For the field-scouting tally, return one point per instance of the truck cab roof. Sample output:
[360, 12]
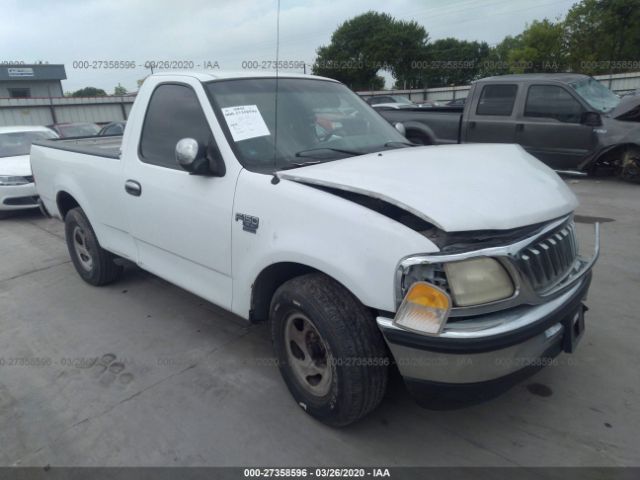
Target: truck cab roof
[207, 76]
[529, 77]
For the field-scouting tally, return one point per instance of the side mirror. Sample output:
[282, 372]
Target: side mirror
[188, 152]
[198, 159]
[591, 119]
[400, 127]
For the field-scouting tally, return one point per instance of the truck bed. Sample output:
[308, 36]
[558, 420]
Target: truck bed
[103, 146]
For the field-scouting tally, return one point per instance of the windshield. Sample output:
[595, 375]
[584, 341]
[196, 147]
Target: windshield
[79, 130]
[597, 95]
[317, 120]
[14, 144]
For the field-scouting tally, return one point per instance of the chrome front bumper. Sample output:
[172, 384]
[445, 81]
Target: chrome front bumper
[475, 356]
[469, 368]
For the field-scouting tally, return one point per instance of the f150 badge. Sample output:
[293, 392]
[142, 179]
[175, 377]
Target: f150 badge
[249, 222]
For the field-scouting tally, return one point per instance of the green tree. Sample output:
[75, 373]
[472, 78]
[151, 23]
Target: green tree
[453, 62]
[368, 43]
[539, 48]
[405, 52]
[497, 61]
[119, 90]
[603, 36]
[89, 92]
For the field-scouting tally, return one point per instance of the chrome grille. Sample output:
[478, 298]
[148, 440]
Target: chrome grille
[548, 261]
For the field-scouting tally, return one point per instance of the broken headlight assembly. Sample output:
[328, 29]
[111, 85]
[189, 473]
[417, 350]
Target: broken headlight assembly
[471, 282]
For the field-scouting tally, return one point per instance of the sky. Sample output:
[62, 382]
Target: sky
[225, 34]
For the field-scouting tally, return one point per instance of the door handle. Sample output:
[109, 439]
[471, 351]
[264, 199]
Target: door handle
[519, 127]
[133, 188]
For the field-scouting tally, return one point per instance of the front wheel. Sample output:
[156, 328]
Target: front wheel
[629, 169]
[330, 352]
[94, 264]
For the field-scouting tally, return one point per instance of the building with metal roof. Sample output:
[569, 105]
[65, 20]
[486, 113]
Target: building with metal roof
[39, 80]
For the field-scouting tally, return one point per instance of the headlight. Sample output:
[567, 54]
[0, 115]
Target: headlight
[12, 181]
[477, 281]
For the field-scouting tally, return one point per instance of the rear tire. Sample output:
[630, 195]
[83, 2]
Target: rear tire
[330, 352]
[95, 265]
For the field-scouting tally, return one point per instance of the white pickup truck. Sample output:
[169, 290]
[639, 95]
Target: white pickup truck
[289, 199]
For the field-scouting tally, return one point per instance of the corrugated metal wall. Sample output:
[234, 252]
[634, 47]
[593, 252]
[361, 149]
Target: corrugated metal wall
[25, 116]
[41, 111]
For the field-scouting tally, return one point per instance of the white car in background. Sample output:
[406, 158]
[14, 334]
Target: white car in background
[17, 190]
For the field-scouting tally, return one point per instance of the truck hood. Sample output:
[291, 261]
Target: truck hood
[455, 187]
[15, 166]
[628, 109]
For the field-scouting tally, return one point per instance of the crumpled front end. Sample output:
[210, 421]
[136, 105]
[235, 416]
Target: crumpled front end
[485, 340]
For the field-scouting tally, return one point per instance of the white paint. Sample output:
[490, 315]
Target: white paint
[15, 166]
[456, 187]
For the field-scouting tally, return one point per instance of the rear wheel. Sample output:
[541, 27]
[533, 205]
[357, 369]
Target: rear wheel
[329, 349]
[94, 264]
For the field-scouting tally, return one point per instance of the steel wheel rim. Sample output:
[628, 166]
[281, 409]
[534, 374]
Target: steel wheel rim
[80, 247]
[308, 355]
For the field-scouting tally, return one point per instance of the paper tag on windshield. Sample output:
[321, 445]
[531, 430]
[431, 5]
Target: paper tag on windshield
[245, 121]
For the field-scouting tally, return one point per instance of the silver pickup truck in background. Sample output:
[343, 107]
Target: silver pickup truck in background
[568, 121]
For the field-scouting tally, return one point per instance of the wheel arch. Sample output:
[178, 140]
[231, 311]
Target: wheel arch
[420, 129]
[271, 278]
[65, 202]
[610, 153]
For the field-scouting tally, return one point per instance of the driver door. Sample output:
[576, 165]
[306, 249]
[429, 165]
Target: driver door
[550, 127]
[181, 223]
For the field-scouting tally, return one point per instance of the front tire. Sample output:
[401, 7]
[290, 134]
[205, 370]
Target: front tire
[95, 265]
[330, 352]
[629, 169]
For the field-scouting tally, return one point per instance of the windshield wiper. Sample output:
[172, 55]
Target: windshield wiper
[300, 164]
[408, 144]
[302, 153]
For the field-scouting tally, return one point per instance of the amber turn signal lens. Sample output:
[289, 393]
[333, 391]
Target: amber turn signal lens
[424, 310]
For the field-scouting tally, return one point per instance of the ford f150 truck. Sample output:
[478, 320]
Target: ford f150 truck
[288, 199]
[568, 121]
